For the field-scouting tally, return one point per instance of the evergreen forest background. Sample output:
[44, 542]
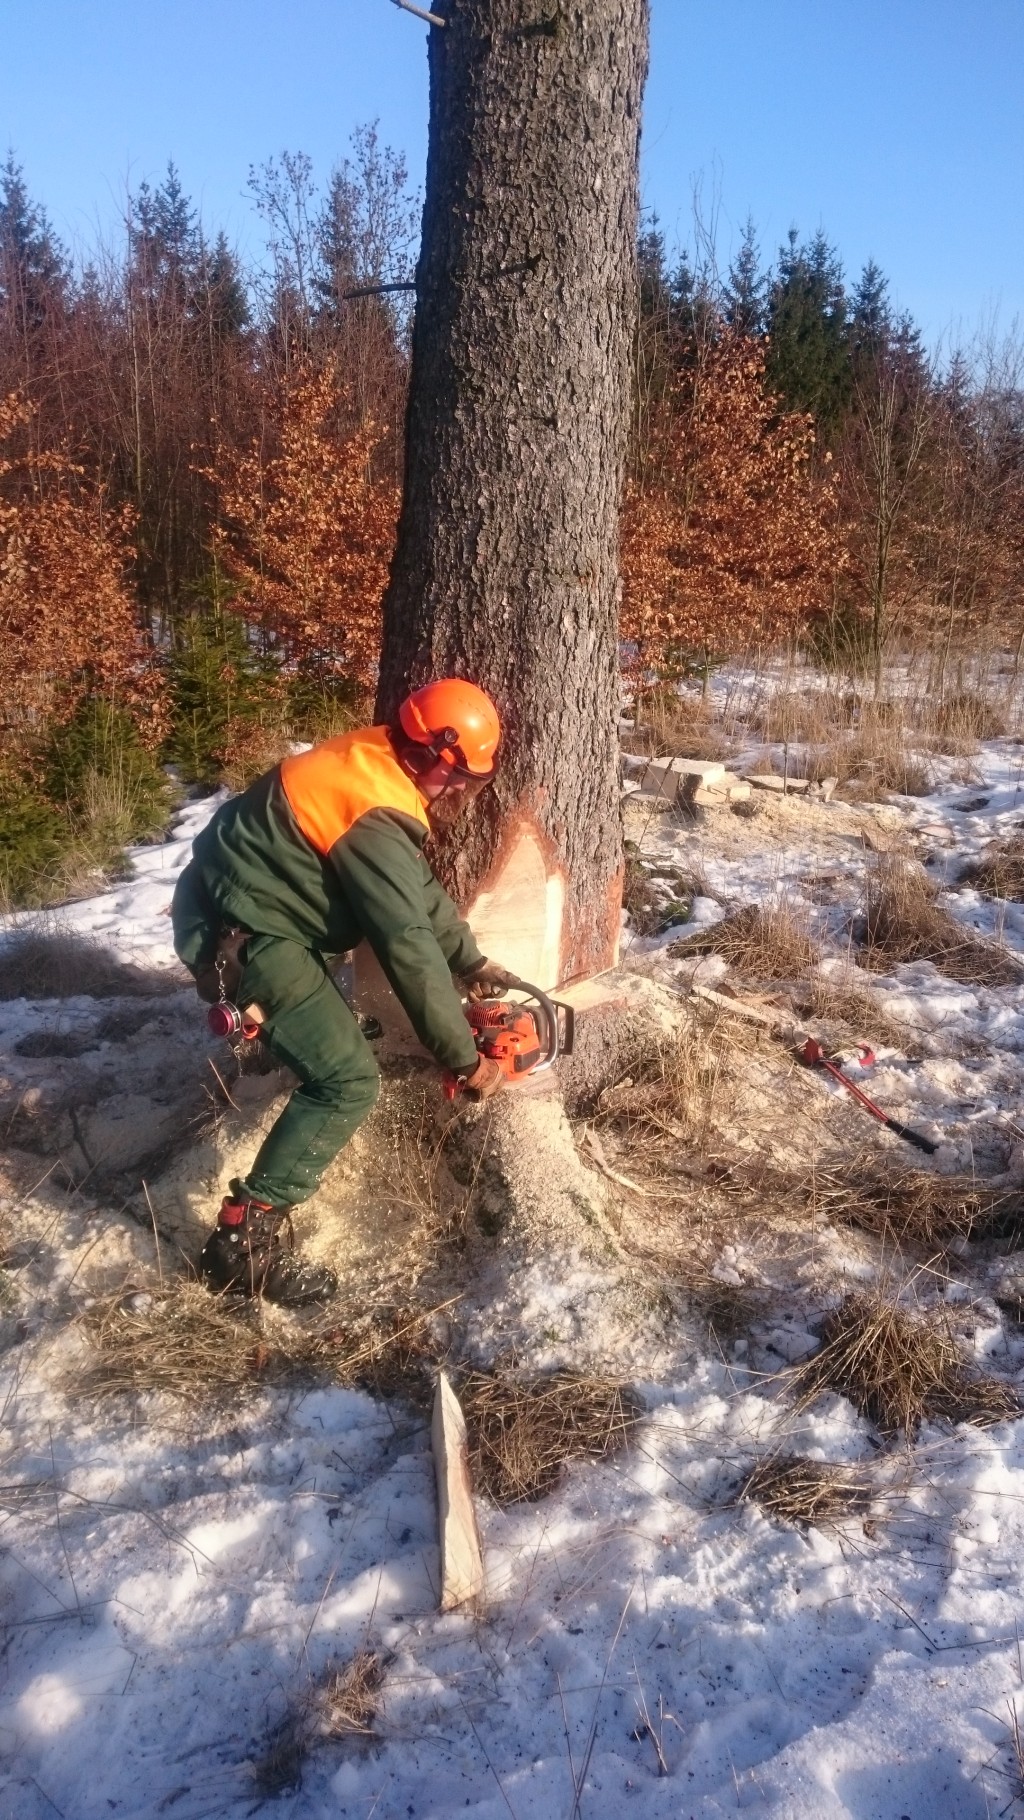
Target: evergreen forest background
[201, 462]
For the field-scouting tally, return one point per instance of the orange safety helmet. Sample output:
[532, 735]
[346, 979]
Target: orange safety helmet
[455, 721]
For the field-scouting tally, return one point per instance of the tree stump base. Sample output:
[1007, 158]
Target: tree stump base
[548, 1278]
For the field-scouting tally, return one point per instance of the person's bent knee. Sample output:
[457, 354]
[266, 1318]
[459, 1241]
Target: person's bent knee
[346, 1089]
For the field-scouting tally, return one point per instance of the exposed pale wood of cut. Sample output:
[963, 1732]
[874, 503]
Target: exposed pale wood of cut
[462, 1566]
[518, 920]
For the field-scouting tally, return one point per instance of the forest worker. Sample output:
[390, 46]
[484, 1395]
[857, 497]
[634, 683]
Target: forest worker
[322, 852]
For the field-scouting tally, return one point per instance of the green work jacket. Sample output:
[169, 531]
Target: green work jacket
[326, 850]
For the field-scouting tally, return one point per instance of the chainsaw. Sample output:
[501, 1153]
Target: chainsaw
[524, 1039]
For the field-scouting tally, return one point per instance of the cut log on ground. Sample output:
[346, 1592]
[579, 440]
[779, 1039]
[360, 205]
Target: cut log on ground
[783, 786]
[714, 793]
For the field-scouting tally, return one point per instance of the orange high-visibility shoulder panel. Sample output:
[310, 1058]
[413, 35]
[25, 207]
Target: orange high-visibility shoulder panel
[329, 788]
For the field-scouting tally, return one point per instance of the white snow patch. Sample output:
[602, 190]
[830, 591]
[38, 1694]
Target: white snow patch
[167, 1590]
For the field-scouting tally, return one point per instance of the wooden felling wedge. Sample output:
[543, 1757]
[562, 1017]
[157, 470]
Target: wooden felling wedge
[462, 1564]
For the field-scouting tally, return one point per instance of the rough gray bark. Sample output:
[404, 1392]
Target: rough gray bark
[506, 568]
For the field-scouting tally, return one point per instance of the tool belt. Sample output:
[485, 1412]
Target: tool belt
[218, 981]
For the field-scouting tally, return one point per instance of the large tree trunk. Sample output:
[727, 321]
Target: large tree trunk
[506, 569]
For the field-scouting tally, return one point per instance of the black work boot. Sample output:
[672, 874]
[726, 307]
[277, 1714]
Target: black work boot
[249, 1255]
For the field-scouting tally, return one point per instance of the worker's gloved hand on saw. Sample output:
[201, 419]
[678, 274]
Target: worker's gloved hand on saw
[487, 1078]
[488, 980]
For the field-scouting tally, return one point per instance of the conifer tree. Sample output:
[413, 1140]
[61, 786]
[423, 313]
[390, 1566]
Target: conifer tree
[745, 294]
[870, 315]
[808, 359]
[222, 296]
[655, 289]
[35, 285]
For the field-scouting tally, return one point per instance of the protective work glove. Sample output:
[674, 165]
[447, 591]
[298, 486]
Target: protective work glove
[486, 1079]
[488, 980]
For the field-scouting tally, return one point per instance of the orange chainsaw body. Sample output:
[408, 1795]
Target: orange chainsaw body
[522, 1039]
[506, 1034]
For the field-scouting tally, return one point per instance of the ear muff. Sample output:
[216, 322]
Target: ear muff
[457, 722]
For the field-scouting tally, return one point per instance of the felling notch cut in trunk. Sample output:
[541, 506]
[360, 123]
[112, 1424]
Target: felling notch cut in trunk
[506, 566]
[520, 912]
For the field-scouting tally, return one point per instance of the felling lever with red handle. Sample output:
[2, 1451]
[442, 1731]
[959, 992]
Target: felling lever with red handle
[522, 1039]
[813, 1053]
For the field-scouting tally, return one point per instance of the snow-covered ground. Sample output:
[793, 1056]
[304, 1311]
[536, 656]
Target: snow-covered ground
[171, 1582]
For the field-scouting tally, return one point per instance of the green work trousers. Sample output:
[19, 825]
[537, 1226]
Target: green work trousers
[307, 1026]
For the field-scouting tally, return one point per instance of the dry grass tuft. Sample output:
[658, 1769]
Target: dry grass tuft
[913, 1207]
[728, 1310]
[871, 747]
[42, 964]
[962, 719]
[1000, 870]
[185, 1343]
[351, 1695]
[677, 726]
[874, 760]
[768, 943]
[904, 923]
[343, 1705]
[898, 1367]
[523, 1431]
[850, 1012]
[806, 717]
[666, 1102]
[811, 1493]
[876, 746]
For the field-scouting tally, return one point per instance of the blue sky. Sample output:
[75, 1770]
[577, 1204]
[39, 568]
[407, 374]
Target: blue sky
[897, 125]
